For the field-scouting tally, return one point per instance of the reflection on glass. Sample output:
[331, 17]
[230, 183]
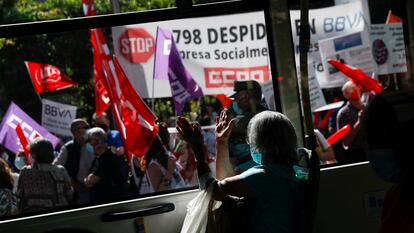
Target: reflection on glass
[358, 51]
[68, 88]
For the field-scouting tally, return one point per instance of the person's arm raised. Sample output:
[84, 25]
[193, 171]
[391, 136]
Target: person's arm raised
[192, 134]
[224, 126]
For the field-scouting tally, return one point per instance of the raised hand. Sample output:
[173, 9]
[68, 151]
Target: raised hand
[223, 127]
[190, 132]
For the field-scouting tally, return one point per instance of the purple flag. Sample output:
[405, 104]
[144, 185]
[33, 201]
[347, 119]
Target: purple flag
[162, 52]
[31, 129]
[183, 86]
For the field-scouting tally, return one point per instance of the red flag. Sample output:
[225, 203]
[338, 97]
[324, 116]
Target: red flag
[325, 119]
[224, 100]
[133, 115]
[339, 134]
[358, 76]
[135, 121]
[391, 18]
[88, 8]
[102, 100]
[47, 77]
[23, 141]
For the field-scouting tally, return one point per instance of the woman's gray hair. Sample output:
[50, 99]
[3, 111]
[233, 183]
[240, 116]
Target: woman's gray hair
[41, 150]
[272, 134]
[98, 133]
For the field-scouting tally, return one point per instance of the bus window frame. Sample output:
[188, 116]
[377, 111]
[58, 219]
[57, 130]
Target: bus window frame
[285, 92]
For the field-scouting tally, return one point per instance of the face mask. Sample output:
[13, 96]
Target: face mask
[19, 162]
[85, 137]
[384, 164]
[256, 156]
[236, 108]
[89, 149]
[240, 151]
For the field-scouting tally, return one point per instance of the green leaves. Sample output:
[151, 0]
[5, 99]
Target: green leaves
[71, 52]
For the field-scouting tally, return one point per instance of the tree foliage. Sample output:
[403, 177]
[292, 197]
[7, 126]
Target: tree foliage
[71, 52]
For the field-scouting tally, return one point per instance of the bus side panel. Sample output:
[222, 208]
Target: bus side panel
[350, 199]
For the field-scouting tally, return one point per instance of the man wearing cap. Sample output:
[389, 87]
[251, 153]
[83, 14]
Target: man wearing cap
[77, 161]
[247, 99]
[246, 104]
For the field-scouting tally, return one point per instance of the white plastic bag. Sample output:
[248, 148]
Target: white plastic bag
[197, 212]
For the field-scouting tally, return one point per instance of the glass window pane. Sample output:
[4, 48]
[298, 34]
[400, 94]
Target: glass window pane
[372, 37]
[46, 78]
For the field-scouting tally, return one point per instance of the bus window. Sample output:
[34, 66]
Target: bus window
[357, 50]
[88, 92]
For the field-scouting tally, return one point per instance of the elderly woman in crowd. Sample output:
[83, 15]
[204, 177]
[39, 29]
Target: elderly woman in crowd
[43, 185]
[273, 195]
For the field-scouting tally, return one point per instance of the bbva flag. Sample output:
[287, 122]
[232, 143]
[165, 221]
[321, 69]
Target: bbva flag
[46, 77]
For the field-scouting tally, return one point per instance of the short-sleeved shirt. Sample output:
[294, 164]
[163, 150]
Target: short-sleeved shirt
[349, 115]
[109, 187]
[278, 203]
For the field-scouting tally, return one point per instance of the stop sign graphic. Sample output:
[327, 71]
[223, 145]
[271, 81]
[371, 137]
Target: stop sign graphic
[136, 45]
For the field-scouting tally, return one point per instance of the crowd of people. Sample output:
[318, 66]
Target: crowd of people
[93, 167]
[242, 152]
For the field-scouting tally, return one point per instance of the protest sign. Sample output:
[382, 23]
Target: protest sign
[388, 48]
[31, 129]
[316, 97]
[352, 49]
[325, 23]
[216, 51]
[57, 117]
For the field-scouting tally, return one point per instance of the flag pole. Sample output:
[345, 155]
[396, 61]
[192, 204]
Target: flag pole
[153, 72]
[394, 76]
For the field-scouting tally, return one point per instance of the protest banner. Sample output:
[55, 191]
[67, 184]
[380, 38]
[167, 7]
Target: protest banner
[214, 55]
[31, 129]
[388, 48]
[325, 23]
[352, 49]
[57, 117]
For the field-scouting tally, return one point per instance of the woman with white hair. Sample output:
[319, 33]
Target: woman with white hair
[104, 180]
[272, 193]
